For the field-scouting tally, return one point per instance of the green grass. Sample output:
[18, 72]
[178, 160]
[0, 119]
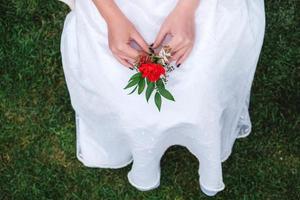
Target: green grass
[37, 130]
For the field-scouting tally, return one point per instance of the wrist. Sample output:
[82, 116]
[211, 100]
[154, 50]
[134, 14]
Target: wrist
[187, 6]
[109, 10]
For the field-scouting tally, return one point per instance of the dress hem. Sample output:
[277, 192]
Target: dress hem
[157, 184]
[104, 166]
[210, 191]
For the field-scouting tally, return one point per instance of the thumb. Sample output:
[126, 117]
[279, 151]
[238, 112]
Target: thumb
[140, 41]
[159, 38]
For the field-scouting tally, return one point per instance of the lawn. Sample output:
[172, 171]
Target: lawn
[37, 130]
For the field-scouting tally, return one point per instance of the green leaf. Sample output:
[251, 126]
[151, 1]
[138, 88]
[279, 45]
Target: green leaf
[160, 83]
[132, 83]
[165, 93]
[141, 85]
[148, 82]
[136, 75]
[133, 90]
[149, 90]
[157, 99]
[155, 59]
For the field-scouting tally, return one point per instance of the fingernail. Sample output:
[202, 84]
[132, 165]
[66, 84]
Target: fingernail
[151, 50]
[179, 65]
[151, 44]
[131, 68]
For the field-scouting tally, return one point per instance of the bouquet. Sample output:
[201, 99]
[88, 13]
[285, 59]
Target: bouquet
[152, 74]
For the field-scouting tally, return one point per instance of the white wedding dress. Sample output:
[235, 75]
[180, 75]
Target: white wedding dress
[211, 89]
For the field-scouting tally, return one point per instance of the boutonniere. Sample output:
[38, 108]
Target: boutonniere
[152, 75]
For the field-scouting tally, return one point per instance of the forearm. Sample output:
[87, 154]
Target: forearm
[187, 5]
[108, 9]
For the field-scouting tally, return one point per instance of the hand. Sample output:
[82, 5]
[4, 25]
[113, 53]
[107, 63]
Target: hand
[121, 32]
[180, 24]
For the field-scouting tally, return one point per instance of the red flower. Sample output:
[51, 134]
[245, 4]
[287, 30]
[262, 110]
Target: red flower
[144, 58]
[152, 71]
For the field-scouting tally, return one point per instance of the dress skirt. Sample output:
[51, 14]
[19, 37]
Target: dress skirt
[211, 88]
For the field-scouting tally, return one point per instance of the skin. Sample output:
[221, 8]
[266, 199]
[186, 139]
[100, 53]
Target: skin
[179, 24]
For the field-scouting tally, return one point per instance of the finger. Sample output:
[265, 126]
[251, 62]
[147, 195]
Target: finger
[124, 62]
[184, 57]
[130, 60]
[140, 41]
[176, 44]
[130, 52]
[160, 37]
[178, 54]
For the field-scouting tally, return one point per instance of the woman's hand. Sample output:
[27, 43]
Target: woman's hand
[120, 33]
[180, 24]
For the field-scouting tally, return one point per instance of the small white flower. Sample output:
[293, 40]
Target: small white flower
[165, 54]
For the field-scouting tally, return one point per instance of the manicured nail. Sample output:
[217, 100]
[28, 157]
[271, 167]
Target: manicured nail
[178, 65]
[151, 50]
[131, 68]
[151, 44]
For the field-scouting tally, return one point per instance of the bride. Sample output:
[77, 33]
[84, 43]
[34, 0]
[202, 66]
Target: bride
[215, 45]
